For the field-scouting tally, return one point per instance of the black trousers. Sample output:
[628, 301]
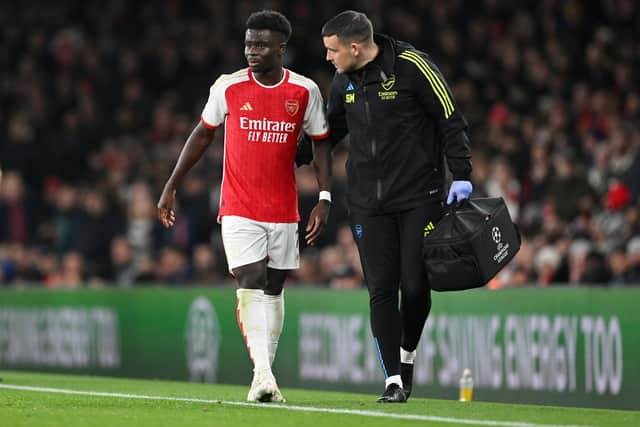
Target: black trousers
[390, 248]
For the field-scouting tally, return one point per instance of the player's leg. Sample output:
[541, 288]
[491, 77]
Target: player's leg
[245, 243]
[274, 311]
[415, 302]
[274, 306]
[283, 255]
[252, 317]
[378, 246]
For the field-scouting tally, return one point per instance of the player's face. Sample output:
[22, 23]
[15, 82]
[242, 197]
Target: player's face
[341, 54]
[264, 50]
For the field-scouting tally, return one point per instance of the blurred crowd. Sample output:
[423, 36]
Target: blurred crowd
[97, 99]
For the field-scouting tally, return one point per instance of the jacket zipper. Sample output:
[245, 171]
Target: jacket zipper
[373, 140]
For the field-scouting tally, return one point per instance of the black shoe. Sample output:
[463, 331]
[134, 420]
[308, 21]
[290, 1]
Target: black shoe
[406, 373]
[393, 394]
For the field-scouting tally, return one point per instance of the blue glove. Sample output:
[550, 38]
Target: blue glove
[459, 191]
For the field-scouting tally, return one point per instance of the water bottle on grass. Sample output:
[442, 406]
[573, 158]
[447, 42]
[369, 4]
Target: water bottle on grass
[466, 386]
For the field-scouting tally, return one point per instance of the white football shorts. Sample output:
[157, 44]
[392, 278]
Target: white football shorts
[247, 241]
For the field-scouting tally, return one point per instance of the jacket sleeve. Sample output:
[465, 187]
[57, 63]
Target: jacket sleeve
[434, 94]
[336, 115]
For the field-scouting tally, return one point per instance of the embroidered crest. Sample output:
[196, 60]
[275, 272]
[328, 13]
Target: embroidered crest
[389, 83]
[292, 106]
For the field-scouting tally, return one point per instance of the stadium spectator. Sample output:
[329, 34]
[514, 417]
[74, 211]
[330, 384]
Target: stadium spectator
[71, 274]
[173, 268]
[618, 265]
[16, 210]
[126, 270]
[633, 254]
[207, 269]
[93, 246]
[309, 272]
[123, 270]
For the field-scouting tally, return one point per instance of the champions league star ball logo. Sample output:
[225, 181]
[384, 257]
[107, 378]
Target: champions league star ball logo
[203, 338]
[496, 235]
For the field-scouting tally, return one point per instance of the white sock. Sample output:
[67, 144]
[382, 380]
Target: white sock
[274, 310]
[253, 325]
[407, 356]
[393, 379]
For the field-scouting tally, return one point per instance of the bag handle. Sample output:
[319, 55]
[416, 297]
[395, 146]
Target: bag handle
[453, 207]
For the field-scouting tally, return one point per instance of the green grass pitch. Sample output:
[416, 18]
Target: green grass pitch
[30, 399]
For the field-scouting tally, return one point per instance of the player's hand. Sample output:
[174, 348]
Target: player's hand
[317, 221]
[166, 214]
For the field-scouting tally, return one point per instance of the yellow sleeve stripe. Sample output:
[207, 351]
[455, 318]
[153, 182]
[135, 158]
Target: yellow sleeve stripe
[434, 81]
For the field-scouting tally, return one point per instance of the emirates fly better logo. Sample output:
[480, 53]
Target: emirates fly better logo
[265, 130]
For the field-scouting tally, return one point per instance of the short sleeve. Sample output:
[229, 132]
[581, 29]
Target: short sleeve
[315, 123]
[216, 109]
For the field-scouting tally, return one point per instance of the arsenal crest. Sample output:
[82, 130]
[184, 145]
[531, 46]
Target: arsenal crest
[292, 106]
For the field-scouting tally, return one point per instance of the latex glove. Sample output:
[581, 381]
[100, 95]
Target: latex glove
[459, 191]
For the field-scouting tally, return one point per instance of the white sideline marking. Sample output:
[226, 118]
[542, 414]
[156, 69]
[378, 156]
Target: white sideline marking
[290, 407]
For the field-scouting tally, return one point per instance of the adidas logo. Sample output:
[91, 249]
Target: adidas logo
[246, 107]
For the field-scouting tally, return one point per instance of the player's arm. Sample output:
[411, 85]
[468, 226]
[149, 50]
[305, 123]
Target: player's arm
[192, 151]
[213, 115]
[322, 166]
[315, 125]
[322, 162]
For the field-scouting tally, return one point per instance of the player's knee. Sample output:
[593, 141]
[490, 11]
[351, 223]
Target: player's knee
[381, 295]
[273, 288]
[275, 281]
[250, 278]
[416, 296]
[251, 282]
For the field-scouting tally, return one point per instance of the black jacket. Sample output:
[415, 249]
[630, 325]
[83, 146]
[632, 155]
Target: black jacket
[402, 122]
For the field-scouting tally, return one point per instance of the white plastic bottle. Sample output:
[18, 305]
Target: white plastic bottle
[466, 386]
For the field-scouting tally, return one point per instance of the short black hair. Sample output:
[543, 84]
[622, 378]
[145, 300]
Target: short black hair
[350, 26]
[270, 20]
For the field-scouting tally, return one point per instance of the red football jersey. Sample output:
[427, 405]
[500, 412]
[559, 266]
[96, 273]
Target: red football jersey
[262, 125]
